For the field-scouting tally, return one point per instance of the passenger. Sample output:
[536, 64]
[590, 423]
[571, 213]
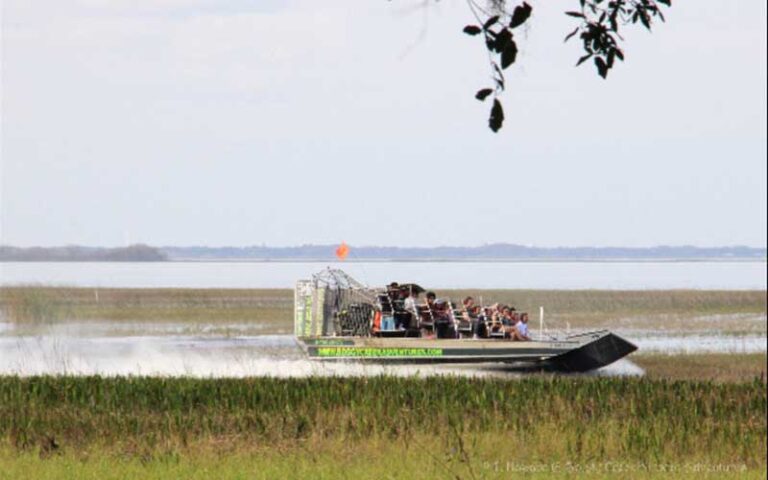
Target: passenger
[411, 302]
[522, 328]
[403, 311]
[431, 297]
[426, 315]
[467, 305]
[495, 319]
[469, 314]
[393, 292]
[411, 305]
[443, 320]
[508, 321]
[476, 320]
[431, 309]
[494, 310]
[504, 315]
[513, 316]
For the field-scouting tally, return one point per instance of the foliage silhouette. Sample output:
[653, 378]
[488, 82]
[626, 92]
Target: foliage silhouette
[598, 30]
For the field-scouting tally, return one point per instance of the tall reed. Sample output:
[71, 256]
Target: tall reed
[574, 417]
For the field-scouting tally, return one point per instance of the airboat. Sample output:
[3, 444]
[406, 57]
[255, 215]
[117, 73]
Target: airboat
[338, 318]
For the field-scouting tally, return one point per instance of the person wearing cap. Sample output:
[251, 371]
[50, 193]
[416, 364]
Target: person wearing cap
[393, 290]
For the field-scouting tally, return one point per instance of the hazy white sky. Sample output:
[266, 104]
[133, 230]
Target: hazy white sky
[233, 122]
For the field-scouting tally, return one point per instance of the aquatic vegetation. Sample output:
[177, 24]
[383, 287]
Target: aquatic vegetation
[740, 311]
[714, 367]
[558, 418]
[31, 304]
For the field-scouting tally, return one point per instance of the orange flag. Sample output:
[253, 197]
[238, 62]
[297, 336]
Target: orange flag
[342, 251]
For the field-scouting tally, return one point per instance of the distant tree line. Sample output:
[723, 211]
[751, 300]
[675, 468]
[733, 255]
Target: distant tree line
[499, 251]
[132, 253]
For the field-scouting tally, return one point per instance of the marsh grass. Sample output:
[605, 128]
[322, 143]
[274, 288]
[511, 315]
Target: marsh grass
[51, 304]
[424, 458]
[33, 305]
[715, 367]
[542, 419]
[741, 311]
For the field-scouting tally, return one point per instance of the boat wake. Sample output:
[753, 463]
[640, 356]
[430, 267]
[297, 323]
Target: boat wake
[191, 356]
[105, 349]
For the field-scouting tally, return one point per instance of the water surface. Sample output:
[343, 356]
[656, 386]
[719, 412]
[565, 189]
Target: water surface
[81, 349]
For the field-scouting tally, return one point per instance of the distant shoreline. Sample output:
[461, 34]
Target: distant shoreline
[472, 260]
[412, 260]
[492, 253]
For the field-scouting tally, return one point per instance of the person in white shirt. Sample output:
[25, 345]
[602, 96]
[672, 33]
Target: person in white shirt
[522, 328]
[411, 300]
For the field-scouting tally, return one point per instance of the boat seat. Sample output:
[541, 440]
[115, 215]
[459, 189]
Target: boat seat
[403, 318]
[426, 320]
[464, 328]
[386, 304]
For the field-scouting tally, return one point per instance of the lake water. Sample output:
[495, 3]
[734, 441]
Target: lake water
[735, 275]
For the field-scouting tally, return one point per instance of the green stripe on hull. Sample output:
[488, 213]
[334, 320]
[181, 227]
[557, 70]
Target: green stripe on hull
[403, 352]
[376, 352]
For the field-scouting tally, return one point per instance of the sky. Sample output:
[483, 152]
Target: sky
[233, 122]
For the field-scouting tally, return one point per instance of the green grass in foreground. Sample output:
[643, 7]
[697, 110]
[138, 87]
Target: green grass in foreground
[369, 427]
[738, 311]
[366, 460]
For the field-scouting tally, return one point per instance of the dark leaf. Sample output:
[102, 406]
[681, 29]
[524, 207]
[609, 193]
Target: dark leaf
[489, 23]
[497, 116]
[574, 32]
[665, 2]
[520, 15]
[575, 14]
[645, 19]
[602, 67]
[584, 59]
[509, 55]
[472, 30]
[483, 94]
[502, 39]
